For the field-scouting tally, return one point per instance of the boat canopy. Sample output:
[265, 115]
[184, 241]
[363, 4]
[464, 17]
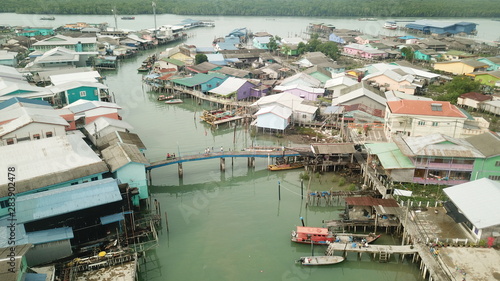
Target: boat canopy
[312, 230]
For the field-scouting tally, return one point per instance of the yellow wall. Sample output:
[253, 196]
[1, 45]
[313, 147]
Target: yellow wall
[454, 67]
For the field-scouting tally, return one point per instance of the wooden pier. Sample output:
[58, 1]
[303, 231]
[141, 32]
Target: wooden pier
[384, 251]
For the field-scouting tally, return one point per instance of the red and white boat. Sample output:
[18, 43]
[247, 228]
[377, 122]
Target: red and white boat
[314, 235]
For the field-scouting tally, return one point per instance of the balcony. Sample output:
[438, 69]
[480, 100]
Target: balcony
[438, 182]
[443, 166]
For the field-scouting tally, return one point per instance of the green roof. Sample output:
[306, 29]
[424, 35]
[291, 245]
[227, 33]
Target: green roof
[390, 156]
[320, 76]
[174, 61]
[198, 79]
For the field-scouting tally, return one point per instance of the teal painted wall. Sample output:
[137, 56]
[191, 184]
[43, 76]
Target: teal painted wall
[74, 94]
[483, 168]
[135, 175]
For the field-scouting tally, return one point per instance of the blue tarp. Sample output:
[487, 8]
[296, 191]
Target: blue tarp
[112, 218]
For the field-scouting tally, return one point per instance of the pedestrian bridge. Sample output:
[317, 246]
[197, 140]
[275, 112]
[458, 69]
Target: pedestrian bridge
[248, 153]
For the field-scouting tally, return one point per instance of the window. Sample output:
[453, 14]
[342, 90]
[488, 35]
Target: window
[495, 178]
[435, 124]
[497, 163]
[48, 134]
[74, 183]
[94, 178]
[10, 141]
[4, 203]
[421, 123]
[36, 136]
[304, 116]
[436, 107]
[83, 94]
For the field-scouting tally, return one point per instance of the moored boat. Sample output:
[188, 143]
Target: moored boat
[128, 18]
[390, 25]
[163, 97]
[48, 18]
[173, 101]
[290, 166]
[320, 260]
[314, 235]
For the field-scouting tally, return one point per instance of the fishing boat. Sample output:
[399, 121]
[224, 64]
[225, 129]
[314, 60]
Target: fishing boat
[320, 260]
[322, 236]
[312, 235]
[163, 97]
[173, 101]
[144, 68]
[289, 166]
[390, 25]
[48, 18]
[128, 18]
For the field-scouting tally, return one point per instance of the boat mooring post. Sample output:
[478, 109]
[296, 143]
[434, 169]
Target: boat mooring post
[279, 190]
[301, 189]
[166, 221]
[302, 220]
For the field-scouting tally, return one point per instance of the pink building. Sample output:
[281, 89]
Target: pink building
[364, 51]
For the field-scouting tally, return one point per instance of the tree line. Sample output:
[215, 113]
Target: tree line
[311, 8]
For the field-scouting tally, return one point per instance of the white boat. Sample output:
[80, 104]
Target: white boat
[173, 101]
[320, 260]
[390, 25]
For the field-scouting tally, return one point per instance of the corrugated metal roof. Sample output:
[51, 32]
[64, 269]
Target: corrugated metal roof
[112, 218]
[49, 161]
[19, 251]
[332, 148]
[50, 235]
[89, 76]
[230, 85]
[118, 136]
[488, 144]
[67, 199]
[440, 145]
[120, 154]
[390, 156]
[103, 122]
[370, 201]
[478, 201]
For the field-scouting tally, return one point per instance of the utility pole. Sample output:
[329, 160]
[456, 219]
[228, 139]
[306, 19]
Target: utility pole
[116, 22]
[154, 13]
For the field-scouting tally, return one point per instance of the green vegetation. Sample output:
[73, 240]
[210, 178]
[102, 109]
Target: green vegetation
[342, 181]
[452, 90]
[200, 58]
[304, 176]
[424, 193]
[317, 8]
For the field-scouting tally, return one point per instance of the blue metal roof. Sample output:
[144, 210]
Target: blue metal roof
[68, 199]
[112, 218]
[34, 277]
[12, 101]
[50, 235]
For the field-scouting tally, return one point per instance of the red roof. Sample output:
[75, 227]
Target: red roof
[476, 96]
[423, 107]
[166, 76]
[370, 201]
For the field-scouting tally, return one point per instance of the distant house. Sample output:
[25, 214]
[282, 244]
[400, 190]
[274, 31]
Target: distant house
[361, 93]
[233, 72]
[420, 118]
[433, 44]
[36, 31]
[301, 91]
[80, 44]
[70, 92]
[8, 58]
[301, 78]
[366, 39]
[472, 205]
[491, 106]
[301, 113]
[273, 118]
[388, 156]
[319, 73]
[487, 167]
[442, 27]
[457, 55]
[489, 78]
[336, 39]
[201, 82]
[364, 52]
[261, 42]
[25, 120]
[493, 62]
[336, 84]
[60, 58]
[203, 67]
[11, 88]
[390, 80]
[472, 99]
[240, 88]
[102, 126]
[438, 158]
[461, 67]
[425, 54]
[128, 165]
[86, 111]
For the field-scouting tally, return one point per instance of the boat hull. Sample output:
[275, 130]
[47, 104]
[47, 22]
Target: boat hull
[285, 166]
[320, 260]
[174, 101]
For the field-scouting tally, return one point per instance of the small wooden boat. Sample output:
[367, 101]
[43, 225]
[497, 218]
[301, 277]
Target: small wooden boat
[128, 18]
[48, 18]
[144, 68]
[173, 101]
[390, 25]
[163, 97]
[320, 260]
[290, 166]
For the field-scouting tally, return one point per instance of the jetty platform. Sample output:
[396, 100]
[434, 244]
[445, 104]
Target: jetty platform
[383, 251]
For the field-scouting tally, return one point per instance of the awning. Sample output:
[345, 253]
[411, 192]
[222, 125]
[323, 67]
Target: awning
[453, 212]
[112, 218]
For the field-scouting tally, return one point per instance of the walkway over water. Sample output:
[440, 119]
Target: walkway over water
[249, 153]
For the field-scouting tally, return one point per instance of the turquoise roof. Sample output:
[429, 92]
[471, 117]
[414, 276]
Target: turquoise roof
[64, 200]
[390, 156]
[198, 79]
[50, 235]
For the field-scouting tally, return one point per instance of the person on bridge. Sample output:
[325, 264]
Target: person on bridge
[221, 149]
